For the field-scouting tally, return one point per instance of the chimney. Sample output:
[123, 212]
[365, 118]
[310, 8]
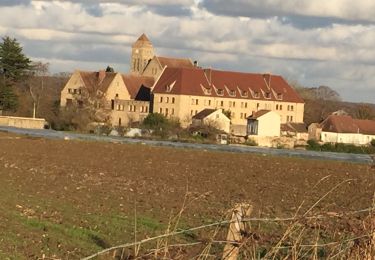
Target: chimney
[101, 75]
[196, 63]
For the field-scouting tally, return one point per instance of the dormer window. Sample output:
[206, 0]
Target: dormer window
[244, 93]
[168, 88]
[267, 95]
[220, 92]
[232, 93]
[279, 96]
[207, 91]
[256, 94]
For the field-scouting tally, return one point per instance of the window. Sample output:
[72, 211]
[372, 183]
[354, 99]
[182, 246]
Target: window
[196, 102]
[277, 107]
[288, 108]
[167, 101]
[116, 95]
[118, 107]
[209, 102]
[291, 108]
[161, 100]
[281, 107]
[245, 104]
[234, 104]
[79, 91]
[112, 104]
[119, 121]
[173, 100]
[257, 105]
[168, 88]
[279, 96]
[172, 112]
[146, 109]
[160, 110]
[291, 118]
[287, 118]
[232, 93]
[256, 94]
[220, 92]
[166, 111]
[222, 103]
[191, 112]
[267, 95]
[244, 93]
[245, 116]
[70, 90]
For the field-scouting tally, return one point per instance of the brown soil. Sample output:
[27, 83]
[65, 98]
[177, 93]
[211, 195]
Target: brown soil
[70, 198]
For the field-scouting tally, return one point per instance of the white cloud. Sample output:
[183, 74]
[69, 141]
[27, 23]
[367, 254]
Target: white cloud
[66, 35]
[360, 10]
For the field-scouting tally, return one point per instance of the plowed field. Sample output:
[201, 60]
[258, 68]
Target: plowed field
[69, 199]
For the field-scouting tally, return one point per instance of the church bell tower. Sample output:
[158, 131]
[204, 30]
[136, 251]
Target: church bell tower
[142, 52]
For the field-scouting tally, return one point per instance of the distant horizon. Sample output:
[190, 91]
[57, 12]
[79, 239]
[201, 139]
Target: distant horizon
[318, 44]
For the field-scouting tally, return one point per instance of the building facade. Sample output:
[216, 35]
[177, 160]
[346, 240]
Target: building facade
[183, 93]
[126, 97]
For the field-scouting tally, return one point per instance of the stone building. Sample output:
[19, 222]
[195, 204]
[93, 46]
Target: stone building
[127, 97]
[182, 93]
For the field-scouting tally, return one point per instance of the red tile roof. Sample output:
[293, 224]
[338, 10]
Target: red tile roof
[227, 84]
[204, 113]
[346, 124]
[294, 127]
[102, 80]
[134, 84]
[175, 62]
[99, 80]
[258, 114]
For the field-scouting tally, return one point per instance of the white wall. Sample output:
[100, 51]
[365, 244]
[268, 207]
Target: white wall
[346, 138]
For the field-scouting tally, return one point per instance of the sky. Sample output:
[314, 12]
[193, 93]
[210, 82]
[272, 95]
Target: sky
[319, 42]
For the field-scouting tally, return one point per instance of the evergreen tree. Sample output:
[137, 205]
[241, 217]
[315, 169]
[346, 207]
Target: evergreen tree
[109, 69]
[14, 65]
[8, 99]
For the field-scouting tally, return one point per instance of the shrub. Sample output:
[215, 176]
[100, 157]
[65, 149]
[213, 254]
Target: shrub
[373, 142]
[251, 142]
[313, 145]
[161, 125]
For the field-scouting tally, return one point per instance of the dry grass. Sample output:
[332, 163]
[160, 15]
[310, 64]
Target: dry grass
[304, 236]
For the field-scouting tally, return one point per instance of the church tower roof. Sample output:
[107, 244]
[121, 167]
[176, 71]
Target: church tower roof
[143, 38]
[142, 41]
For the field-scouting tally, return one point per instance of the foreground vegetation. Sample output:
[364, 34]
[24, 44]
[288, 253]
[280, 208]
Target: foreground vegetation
[341, 148]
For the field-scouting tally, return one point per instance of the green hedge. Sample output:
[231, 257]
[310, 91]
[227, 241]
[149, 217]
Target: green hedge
[340, 147]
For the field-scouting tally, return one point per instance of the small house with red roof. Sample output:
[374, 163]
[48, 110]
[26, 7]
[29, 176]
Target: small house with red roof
[263, 123]
[344, 129]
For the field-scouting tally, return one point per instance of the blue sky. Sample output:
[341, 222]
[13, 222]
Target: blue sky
[316, 42]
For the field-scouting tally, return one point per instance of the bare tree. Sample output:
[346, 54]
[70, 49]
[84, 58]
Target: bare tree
[39, 70]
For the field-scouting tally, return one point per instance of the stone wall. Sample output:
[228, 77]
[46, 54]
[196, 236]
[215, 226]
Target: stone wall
[23, 122]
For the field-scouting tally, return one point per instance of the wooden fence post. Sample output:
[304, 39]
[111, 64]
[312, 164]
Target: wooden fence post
[237, 230]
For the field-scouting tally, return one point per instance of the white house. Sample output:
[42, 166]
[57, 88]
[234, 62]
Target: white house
[212, 117]
[345, 129]
[264, 123]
